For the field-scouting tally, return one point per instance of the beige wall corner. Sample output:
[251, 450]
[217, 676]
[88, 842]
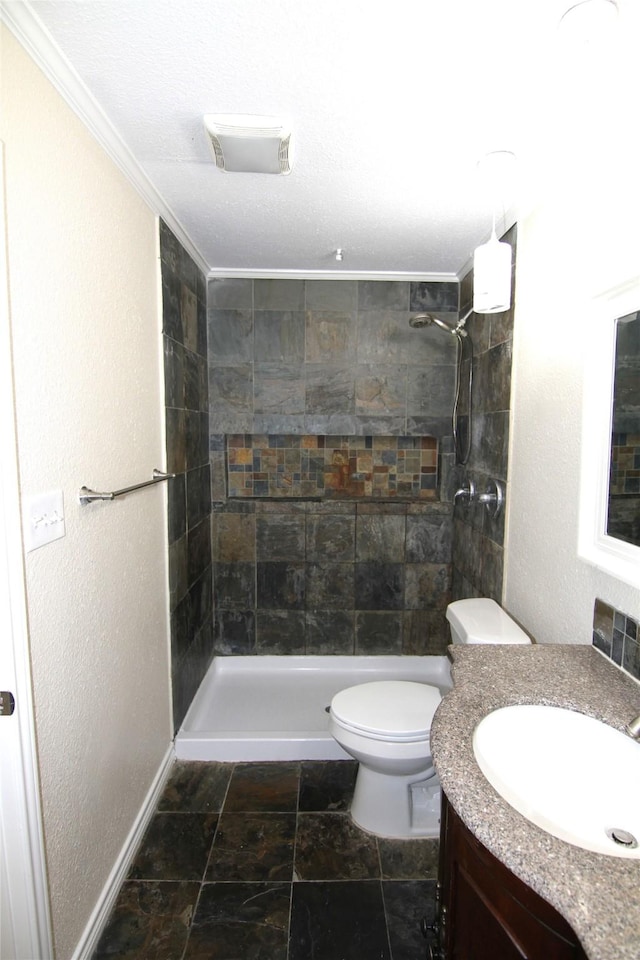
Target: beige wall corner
[83, 269]
[577, 241]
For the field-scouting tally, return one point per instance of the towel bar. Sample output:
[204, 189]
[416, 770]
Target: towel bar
[86, 495]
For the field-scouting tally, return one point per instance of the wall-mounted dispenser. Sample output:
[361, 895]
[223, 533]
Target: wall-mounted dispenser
[492, 260]
[492, 276]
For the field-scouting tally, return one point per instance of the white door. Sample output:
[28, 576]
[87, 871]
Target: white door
[24, 914]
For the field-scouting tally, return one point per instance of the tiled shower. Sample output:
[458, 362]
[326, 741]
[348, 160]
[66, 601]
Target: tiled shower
[189, 494]
[293, 559]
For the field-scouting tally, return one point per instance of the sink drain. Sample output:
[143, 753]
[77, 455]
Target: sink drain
[622, 837]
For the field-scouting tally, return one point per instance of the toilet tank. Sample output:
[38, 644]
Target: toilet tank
[481, 620]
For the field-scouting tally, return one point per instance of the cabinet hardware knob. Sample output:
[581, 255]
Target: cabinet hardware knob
[427, 928]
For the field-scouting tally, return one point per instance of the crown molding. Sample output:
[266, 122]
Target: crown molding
[24, 24]
[229, 274]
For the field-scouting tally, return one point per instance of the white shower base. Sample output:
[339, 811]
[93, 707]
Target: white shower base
[273, 708]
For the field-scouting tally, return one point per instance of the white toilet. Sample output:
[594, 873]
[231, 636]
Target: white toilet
[385, 725]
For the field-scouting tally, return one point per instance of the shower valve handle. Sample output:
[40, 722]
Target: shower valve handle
[467, 493]
[493, 497]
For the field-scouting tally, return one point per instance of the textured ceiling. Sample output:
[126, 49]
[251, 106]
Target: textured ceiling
[392, 105]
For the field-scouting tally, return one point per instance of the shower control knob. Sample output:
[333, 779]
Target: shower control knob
[493, 497]
[466, 493]
[426, 928]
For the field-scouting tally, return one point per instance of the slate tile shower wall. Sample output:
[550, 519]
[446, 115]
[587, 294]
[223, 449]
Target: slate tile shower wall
[329, 358]
[478, 539]
[184, 339]
[336, 578]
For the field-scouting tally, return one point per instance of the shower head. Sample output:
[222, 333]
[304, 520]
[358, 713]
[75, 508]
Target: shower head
[420, 321]
[464, 345]
[426, 319]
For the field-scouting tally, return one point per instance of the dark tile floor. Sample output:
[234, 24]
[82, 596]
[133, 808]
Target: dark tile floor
[261, 861]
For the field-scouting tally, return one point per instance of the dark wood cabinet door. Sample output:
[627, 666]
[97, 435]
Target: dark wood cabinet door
[489, 914]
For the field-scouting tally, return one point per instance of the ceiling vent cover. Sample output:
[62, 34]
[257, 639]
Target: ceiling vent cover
[242, 143]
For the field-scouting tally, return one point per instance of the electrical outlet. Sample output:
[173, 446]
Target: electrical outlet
[43, 519]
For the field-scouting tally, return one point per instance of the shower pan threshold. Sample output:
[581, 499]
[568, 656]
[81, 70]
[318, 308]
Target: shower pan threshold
[274, 707]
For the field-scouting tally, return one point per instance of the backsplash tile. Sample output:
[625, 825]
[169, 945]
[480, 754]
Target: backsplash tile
[292, 466]
[616, 635]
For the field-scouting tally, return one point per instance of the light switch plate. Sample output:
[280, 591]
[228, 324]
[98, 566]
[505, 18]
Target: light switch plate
[43, 519]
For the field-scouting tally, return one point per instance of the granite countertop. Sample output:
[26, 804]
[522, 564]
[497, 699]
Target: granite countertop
[597, 894]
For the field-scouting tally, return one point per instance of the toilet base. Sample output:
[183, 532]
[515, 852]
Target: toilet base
[387, 807]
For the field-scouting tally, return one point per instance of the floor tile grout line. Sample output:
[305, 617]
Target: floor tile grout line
[379, 856]
[193, 916]
[215, 832]
[295, 845]
[324, 880]
[226, 792]
[386, 918]
[295, 848]
[206, 866]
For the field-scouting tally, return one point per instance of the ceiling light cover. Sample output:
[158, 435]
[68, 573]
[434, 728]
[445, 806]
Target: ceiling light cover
[243, 143]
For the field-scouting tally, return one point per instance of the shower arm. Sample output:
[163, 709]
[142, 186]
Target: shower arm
[457, 331]
[461, 322]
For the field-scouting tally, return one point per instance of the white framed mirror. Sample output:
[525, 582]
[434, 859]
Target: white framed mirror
[596, 544]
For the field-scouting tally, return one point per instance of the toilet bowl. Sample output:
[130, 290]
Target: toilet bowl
[386, 725]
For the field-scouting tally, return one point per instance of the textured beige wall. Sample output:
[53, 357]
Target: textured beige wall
[83, 271]
[580, 240]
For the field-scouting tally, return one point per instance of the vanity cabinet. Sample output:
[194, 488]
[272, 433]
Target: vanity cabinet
[487, 913]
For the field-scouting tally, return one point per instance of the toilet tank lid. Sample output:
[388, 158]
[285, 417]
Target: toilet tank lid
[482, 620]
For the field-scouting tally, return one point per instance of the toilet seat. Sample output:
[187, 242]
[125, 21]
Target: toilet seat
[394, 710]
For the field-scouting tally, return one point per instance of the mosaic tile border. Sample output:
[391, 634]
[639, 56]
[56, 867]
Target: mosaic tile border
[617, 636]
[332, 467]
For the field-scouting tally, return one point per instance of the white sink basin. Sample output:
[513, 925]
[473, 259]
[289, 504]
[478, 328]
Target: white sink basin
[574, 776]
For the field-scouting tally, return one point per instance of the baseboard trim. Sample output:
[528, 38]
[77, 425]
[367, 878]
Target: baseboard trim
[102, 910]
